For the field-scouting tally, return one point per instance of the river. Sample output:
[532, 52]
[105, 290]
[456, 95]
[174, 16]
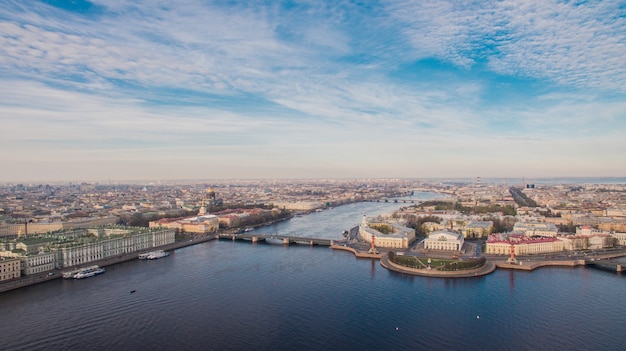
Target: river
[225, 295]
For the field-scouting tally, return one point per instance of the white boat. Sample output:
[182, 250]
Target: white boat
[144, 256]
[90, 272]
[153, 255]
[72, 273]
[249, 229]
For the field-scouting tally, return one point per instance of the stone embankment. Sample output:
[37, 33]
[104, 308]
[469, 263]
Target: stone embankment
[357, 252]
[57, 273]
[529, 266]
[488, 268]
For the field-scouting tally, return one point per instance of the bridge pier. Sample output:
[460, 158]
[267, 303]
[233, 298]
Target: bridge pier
[255, 239]
[618, 268]
[286, 241]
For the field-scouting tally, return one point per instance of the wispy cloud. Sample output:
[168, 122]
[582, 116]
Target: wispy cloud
[571, 43]
[313, 85]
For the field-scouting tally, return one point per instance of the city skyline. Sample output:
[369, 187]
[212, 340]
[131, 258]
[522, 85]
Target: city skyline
[116, 90]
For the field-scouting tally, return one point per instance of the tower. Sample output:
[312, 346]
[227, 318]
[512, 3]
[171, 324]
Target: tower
[512, 259]
[372, 249]
[210, 193]
[202, 211]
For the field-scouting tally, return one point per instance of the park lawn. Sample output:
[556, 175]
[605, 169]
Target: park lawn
[434, 262]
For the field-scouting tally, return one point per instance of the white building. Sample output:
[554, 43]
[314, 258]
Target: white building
[75, 247]
[444, 240]
[536, 229]
[112, 243]
[40, 262]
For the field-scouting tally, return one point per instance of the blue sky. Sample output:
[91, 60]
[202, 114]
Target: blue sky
[121, 90]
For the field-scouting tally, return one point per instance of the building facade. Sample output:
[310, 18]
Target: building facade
[620, 237]
[394, 235]
[500, 244]
[77, 247]
[536, 229]
[10, 268]
[445, 239]
[477, 229]
[112, 244]
[200, 224]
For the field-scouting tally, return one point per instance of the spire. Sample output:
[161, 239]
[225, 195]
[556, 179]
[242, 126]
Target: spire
[202, 211]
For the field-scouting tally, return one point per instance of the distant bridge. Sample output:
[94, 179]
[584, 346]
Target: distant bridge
[397, 201]
[277, 239]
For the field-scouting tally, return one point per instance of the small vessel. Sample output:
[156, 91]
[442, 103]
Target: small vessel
[88, 272]
[249, 229]
[72, 273]
[153, 255]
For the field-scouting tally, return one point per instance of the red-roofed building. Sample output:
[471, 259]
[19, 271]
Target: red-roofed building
[500, 244]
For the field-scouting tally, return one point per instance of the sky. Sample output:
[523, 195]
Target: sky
[120, 90]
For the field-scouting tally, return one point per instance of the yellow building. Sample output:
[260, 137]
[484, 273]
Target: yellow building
[386, 233]
[621, 238]
[197, 224]
[500, 244]
[10, 268]
[477, 229]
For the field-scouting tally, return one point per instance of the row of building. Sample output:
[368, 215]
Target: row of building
[70, 248]
[542, 238]
[209, 223]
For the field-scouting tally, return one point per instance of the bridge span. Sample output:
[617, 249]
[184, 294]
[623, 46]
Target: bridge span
[277, 239]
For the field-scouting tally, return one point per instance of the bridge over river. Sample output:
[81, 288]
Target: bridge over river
[277, 239]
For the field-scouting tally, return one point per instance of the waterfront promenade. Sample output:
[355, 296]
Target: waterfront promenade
[600, 261]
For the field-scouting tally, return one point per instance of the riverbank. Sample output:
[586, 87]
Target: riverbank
[57, 273]
[357, 252]
[529, 266]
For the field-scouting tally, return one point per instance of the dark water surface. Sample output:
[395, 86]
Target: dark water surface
[225, 295]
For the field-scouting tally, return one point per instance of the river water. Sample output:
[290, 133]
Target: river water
[224, 295]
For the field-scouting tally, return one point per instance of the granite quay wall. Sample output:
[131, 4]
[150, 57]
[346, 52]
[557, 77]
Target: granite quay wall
[357, 252]
[488, 268]
[57, 273]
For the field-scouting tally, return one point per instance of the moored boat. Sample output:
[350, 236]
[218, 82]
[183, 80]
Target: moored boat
[89, 272]
[153, 255]
[72, 273]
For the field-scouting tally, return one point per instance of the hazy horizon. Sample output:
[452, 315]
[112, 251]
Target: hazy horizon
[485, 181]
[116, 90]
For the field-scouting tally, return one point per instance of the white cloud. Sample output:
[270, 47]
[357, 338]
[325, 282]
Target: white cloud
[142, 84]
[572, 44]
